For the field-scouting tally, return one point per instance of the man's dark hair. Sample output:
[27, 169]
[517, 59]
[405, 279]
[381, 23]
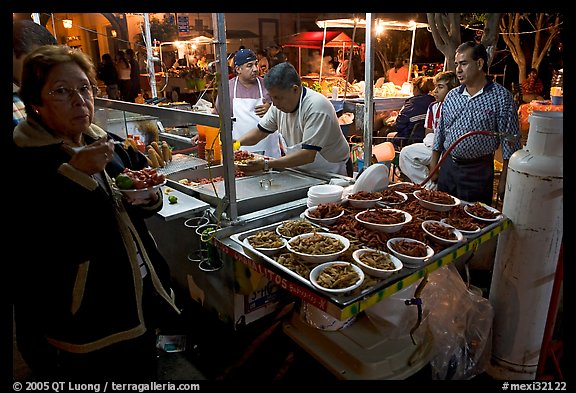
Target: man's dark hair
[27, 35]
[282, 76]
[478, 52]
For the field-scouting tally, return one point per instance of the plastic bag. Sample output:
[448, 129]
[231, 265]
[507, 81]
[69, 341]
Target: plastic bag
[461, 325]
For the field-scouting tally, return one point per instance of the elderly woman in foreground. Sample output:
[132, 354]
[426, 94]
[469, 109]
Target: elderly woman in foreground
[90, 282]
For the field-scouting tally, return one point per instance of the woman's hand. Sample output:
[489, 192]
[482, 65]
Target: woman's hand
[93, 158]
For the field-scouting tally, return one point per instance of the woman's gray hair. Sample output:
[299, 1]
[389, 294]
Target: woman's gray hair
[38, 65]
[282, 76]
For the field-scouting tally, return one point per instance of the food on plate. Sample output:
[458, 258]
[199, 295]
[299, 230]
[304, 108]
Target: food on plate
[377, 260]
[143, 178]
[265, 239]
[364, 195]
[462, 223]
[293, 228]
[326, 210]
[479, 210]
[292, 262]
[392, 196]
[338, 276]
[383, 216]
[317, 244]
[435, 196]
[241, 157]
[441, 231]
[412, 249]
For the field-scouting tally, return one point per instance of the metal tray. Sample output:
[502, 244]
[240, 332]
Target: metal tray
[253, 193]
[255, 254]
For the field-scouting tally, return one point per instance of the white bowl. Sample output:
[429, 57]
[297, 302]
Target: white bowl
[404, 185]
[326, 191]
[408, 260]
[322, 221]
[300, 226]
[446, 242]
[317, 271]
[401, 195]
[388, 228]
[319, 258]
[362, 203]
[372, 270]
[439, 207]
[268, 251]
[485, 219]
[466, 233]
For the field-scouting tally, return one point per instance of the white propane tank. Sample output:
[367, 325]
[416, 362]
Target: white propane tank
[527, 253]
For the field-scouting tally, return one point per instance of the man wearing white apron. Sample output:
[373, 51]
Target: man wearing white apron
[247, 97]
[307, 123]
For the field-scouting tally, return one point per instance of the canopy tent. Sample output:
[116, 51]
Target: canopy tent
[315, 39]
[318, 40]
[371, 25]
[379, 25]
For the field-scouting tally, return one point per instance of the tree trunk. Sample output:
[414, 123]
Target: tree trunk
[445, 29]
[510, 26]
[490, 35]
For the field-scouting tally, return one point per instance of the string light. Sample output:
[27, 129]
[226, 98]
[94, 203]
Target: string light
[67, 22]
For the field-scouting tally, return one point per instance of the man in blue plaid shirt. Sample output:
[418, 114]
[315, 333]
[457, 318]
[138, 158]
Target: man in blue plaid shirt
[26, 36]
[479, 104]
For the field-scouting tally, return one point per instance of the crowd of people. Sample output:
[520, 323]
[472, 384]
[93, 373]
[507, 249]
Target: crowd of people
[120, 75]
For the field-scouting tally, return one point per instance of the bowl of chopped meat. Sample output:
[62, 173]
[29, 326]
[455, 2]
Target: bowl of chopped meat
[482, 212]
[336, 278]
[392, 197]
[413, 253]
[363, 199]
[324, 213]
[439, 201]
[383, 219]
[377, 263]
[318, 247]
[442, 233]
[465, 225]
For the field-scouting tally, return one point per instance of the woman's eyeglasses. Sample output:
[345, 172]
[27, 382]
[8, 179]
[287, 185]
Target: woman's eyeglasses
[67, 93]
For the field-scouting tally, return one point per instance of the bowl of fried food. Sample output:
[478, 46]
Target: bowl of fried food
[384, 219]
[439, 201]
[267, 242]
[377, 263]
[363, 199]
[337, 277]
[324, 213]
[318, 247]
[442, 233]
[391, 197]
[465, 225]
[482, 212]
[413, 253]
[290, 228]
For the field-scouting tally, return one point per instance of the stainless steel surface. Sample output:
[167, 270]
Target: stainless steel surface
[186, 206]
[181, 164]
[253, 193]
